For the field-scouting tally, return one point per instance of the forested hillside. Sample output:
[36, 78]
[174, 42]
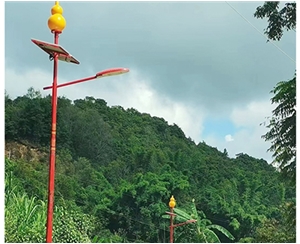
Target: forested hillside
[116, 170]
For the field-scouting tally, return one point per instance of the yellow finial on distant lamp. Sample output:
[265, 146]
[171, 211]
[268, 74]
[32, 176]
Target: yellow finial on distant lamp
[56, 22]
[172, 202]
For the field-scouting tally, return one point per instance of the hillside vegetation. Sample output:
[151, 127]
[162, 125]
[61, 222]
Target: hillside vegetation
[116, 170]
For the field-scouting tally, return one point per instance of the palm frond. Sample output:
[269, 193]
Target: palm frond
[182, 214]
[211, 236]
[222, 230]
[165, 216]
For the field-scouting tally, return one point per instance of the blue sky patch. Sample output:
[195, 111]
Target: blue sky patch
[218, 127]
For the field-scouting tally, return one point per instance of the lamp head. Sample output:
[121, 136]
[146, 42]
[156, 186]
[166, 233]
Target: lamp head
[110, 72]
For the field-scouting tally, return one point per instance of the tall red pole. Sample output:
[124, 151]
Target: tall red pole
[171, 226]
[52, 148]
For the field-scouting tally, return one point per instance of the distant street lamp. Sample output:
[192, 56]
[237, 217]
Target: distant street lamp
[172, 205]
[56, 24]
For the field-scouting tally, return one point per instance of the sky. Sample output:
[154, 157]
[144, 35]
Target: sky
[205, 66]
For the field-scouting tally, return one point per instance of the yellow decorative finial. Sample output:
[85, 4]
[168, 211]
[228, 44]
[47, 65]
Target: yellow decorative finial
[56, 9]
[172, 202]
[56, 22]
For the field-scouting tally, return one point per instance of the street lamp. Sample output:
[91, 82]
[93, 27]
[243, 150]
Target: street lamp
[56, 24]
[172, 204]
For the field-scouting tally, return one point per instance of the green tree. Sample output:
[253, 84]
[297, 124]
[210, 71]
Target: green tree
[91, 137]
[282, 125]
[279, 20]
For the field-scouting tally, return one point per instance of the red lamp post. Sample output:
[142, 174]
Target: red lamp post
[56, 24]
[172, 204]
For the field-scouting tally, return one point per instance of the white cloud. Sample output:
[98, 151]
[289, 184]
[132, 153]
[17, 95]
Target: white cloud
[17, 84]
[134, 91]
[229, 138]
[253, 114]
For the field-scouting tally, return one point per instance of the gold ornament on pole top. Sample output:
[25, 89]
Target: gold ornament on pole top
[56, 21]
[172, 202]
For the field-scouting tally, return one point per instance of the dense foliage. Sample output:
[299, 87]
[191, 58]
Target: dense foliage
[25, 217]
[116, 170]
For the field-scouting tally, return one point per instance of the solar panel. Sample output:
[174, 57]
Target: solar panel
[53, 49]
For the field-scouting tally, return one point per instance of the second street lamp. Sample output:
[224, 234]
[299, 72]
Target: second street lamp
[172, 205]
